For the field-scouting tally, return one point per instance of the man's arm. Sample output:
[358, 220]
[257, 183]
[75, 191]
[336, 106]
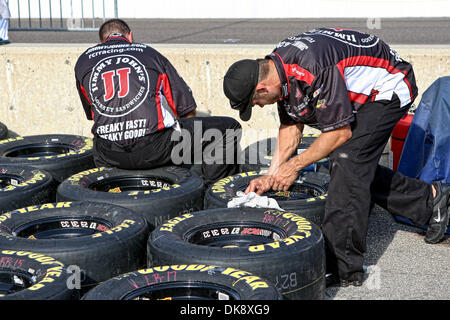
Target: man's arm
[191, 114]
[289, 137]
[86, 103]
[326, 143]
[180, 93]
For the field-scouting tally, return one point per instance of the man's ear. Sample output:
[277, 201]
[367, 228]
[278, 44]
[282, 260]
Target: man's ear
[261, 88]
[130, 36]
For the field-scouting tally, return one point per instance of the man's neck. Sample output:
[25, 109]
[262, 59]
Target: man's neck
[273, 79]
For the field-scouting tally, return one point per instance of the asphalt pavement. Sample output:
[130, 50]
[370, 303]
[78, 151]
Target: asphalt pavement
[243, 31]
[399, 264]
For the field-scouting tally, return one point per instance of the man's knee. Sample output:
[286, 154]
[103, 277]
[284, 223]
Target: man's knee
[230, 123]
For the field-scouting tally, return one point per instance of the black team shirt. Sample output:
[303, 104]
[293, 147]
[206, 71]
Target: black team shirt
[328, 74]
[130, 90]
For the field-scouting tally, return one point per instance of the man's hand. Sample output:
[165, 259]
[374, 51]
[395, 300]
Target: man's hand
[260, 185]
[284, 177]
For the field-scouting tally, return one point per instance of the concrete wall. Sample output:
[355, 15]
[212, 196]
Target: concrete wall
[38, 95]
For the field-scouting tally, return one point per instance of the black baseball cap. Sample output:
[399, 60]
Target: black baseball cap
[239, 86]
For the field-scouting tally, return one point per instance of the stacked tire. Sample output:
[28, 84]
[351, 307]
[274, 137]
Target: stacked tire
[306, 196]
[3, 131]
[28, 275]
[61, 155]
[258, 155]
[102, 240]
[24, 186]
[185, 282]
[285, 249]
[156, 194]
[111, 230]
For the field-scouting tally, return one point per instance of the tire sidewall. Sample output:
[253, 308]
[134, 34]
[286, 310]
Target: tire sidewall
[303, 248]
[258, 155]
[221, 192]
[185, 194]
[100, 255]
[59, 166]
[33, 186]
[51, 276]
[250, 288]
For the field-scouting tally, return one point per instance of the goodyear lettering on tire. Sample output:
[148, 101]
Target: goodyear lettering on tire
[303, 228]
[219, 186]
[34, 208]
[302, 232]
[38, 176]
[51, 274]
[252, 280]
[323, 197]
[77, 177]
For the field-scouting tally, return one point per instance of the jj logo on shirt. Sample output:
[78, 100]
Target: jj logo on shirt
[118, 85]
[108, 82]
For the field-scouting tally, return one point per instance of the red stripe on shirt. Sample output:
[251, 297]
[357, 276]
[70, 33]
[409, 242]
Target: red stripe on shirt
[367, 61]
[168, 93]
[371, 62]
[83, 91]
[357, 97]
[299, 73]
[158, 104]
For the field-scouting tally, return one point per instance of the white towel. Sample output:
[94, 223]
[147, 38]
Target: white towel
[252, 200]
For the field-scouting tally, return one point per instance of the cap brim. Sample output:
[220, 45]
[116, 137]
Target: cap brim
[244, 107]
[246, 113]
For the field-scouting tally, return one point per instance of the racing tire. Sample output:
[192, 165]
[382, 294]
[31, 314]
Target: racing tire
[157, 194]
[3, 131]
[24, 186]
[60, 154]
[185, 282]
[285, 249]
[258, 155]
[27, 275]
[306, 196]
[103, 240]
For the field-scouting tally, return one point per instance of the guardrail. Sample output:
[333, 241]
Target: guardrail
[60, 15]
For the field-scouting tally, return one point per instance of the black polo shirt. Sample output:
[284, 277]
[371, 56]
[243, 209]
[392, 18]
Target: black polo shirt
[130, 90]
[328, 74]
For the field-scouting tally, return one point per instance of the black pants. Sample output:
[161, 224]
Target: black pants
[212, 142]
[357, 181]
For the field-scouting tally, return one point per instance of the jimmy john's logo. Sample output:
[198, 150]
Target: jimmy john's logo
[118, 85]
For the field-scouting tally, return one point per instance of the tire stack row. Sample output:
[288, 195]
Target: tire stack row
[107, 233]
